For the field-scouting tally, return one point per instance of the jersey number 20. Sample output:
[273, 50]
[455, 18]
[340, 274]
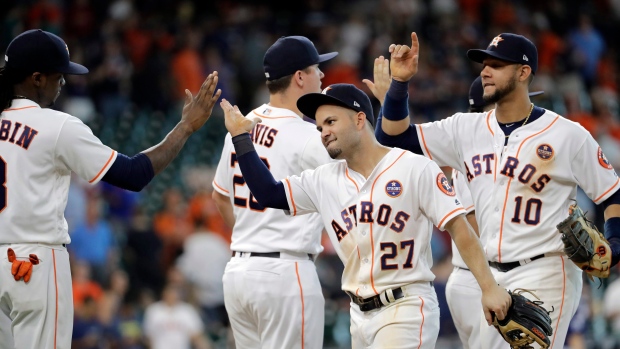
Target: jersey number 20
[238, 180]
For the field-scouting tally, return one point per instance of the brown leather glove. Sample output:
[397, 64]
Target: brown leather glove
[22, 268]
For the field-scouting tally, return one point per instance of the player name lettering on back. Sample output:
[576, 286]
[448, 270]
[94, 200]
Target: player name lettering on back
[369, 213]
[17, 133]
[512, 168]
[263, 135]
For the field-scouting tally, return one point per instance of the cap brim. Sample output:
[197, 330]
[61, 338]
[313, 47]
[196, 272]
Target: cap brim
[308, 104]
[327, 56]
[74, 69]
[532, 94]
[479, 56]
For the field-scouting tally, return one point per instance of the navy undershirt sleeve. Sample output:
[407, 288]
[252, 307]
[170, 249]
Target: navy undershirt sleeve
[266, 190]
[612, 228]
[130, 173]
[395, 108]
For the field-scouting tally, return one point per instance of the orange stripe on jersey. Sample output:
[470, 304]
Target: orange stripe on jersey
[557, 324]
[301, 295]
[372, 242]
[467, 209]
[220, 187]
[448, 215]
[56, 286]
[424, 142]
[351, 179]
[422, 325]
[489, 125]
[501, 224]
[358, 252]
[13, 109]
[275, 117]
[290, 190]
[607, 191]
[103, 168]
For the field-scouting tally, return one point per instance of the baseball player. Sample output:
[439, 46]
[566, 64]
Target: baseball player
[379, 206]
[39, 148]
[522, 165]
[271, 288]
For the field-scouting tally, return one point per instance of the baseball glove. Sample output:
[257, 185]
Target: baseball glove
[525, 323]
[584, 244]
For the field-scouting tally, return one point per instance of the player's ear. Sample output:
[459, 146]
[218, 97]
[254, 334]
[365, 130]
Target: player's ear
[38, 79]
[524, 72]
[298, 78]
[360, 120]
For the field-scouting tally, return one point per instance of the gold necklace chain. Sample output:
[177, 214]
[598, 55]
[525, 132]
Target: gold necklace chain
[527, 118]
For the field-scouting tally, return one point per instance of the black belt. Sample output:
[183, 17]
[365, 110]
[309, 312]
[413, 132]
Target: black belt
[374, 302]
[266, 254]
[504, 267]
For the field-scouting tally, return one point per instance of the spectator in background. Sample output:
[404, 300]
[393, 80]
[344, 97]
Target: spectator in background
[88, 332]
[172, 225]
[203, 263]
[93, 242]
[186, 64]
[83, 286]
[588, 47]
[142, 254]
[172, 323]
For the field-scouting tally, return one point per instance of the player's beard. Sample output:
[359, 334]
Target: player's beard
[334, 153]
[500, 93]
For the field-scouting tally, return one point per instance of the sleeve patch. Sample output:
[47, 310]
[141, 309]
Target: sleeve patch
[444, 185]
[603, 160]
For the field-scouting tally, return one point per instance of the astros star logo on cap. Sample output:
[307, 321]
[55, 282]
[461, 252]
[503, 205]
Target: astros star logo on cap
[496, 41]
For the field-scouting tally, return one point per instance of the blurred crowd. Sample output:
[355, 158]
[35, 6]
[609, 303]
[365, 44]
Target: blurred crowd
[147, 268]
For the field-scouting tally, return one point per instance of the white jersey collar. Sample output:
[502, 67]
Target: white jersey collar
[269, 112]
[22, 103]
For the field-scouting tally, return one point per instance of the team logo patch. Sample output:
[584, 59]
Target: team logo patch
[545, 152]
[267, 112]
[603, 160]
[444, 185]
[394, 188]
[496, 41]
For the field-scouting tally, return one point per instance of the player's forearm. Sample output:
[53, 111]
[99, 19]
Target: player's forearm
[265, 189]
[163, 153]
[396, 109]
[471, 250]
[225, 207]
[612, 231]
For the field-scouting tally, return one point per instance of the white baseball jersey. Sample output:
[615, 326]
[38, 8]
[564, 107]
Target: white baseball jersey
[287, 145]
[39, 148]
[521, 191]
[382, 224]
[459, 183]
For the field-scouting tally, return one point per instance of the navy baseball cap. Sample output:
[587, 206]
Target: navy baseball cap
[290, 54]
[344, 95]
[36, 50]
[511, 48]
[476, 91]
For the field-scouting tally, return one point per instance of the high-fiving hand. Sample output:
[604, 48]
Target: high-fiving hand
[382, 78]
[404, 59]
[235, 122]
[197, 109]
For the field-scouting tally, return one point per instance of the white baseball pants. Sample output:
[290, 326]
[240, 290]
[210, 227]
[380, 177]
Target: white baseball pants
[274, 302]
[409, 322]
[40, 311]
[465, 303]
[556, 281]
